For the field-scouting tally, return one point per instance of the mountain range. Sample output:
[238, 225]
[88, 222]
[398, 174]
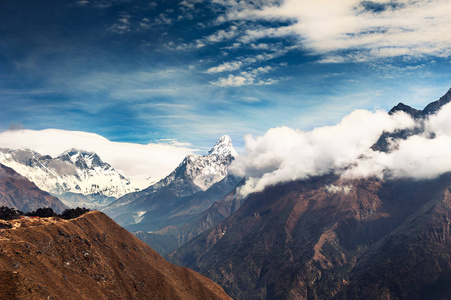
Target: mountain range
[182, 194]
[327, 237]
[321, 237]
[78, 178]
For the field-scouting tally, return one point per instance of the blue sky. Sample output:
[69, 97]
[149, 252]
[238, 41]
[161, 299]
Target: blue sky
[193, 70]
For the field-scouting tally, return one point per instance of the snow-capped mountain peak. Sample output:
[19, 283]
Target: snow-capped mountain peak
[84, 159]
[202, 170]
[74, 172]
[223, 147]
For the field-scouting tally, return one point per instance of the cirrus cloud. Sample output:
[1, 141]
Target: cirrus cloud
[369, 29]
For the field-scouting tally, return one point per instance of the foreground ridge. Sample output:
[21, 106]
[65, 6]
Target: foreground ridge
[90, 257]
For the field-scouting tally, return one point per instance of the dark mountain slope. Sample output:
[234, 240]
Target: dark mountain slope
[170, 210]
[18, 192]
[171, 237]
[412, 262]
[300, 241]
[90, 257]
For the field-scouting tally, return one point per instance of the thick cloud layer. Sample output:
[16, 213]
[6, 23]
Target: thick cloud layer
[151, 160]
[419, 156]
[284, 154]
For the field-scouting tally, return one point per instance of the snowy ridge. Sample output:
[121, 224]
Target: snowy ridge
[160, 204]
[74, 171]
[223, 147]
[204, 170]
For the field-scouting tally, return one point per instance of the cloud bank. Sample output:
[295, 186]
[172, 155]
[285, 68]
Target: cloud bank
[284, 154]
[136, 160]
[379, 28]
[417, 157]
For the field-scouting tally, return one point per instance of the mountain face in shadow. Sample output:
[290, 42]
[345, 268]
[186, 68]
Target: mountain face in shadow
[171, 237]
[18, 192]
[90, 257]
[301, 241]
[191, 188]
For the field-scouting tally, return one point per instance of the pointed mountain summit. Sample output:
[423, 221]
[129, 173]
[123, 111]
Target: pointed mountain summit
[431, 108]
[83, 159]
[199, 172]
[223, 147]
[415, 113]
[178, 197]
[435, 106]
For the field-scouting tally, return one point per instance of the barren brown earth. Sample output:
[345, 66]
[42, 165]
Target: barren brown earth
[90, 257]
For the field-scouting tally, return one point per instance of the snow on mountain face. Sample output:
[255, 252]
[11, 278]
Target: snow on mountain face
[204, 170]
[208, 169]
[223, 147]
[74, 171]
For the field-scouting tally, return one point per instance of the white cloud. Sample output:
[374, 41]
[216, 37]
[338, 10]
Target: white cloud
[226, 67]
[249, 60]
[284, 154]
[190, 3]
[82, 2]
[122, 25]
[246, 78]
[163, 19]
[380, 28]
[136, 160]
[344, 189]
[233, 80]
[417, 157]
[222, 35]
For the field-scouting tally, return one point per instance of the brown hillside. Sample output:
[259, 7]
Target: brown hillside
[19, 192]
[90, 257]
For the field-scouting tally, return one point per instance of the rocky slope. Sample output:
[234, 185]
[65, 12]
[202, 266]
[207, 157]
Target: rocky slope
[90, 257]
[332, 238]
[301, 241]
[191, 188]
[412, 262]
[18, 192]
[169, 238]
[78, 178]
